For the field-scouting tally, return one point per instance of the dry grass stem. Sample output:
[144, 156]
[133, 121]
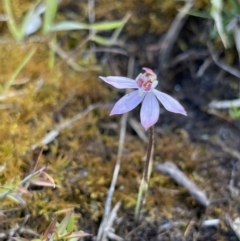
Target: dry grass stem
[227, 149]
[66, 124]
[107, 208]
[27, 178]
[224, 104]
[233, 224]
[179, 177]
[123, 125]
[222, 65]
[137, 127]
[173, 32]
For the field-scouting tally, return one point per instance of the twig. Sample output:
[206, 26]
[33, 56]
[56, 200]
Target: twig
[76, 51]
[207, 62]
[111, 219]
[211, 222]
[113, 215]
[107, 207]
[24, 180]
[141, 226]
[234, 225]
[189, 54]
[55, 132]
[123, 123]
[71, 62]
[173, 32]
[236, 34]
[138, 128]
[11, 94]
[107, 50]
[234, 174]
[224, 104]
[113, 236]
[21, 227]
[65, 57]
[220, 115]
[179, 177]
[232, 152]
[189, 228]
[223, 65]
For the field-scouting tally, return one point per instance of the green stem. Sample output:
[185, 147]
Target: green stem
[18, 69]
[146, 174]
[149, 153]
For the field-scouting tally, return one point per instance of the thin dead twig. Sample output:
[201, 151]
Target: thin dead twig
[234, 225]
[190, 226]
[55, 132]
[113, 236]
[207, 62]
[173, 32]
[236, 34]
[211, 222]
[138, 129]
[108, 50]
[102, 234]
[234, 174]
[20, 227]
[109, 224]
[70, 61]
[223, 65]
[224, 104]
[106, 225]
[11, 94]
[190, 54]
[141, 226]
[27, 178]
[65, 57]
[232, 152]
[179, 177]
[220, 115]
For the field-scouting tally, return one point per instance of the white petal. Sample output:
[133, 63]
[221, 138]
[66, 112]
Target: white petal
[169, 103]
[127, 103]
[33, 25]
[120, 82]
[150, 110]
[154, 84]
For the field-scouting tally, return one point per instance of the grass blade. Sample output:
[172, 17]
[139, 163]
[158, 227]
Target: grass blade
[71, 25]
[13, 28]
[49, 15]
[18, 69]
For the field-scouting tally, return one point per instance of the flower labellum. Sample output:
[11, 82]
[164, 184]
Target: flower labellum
[146, 93]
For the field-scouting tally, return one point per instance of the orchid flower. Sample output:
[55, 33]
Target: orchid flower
[146, 93]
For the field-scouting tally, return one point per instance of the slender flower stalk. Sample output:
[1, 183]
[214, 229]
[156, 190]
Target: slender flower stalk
[146, 174]
[146, 171]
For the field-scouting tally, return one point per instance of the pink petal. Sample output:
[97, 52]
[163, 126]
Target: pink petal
[169, 103]
[127, 103]
[120, 82]
[150, 110]
[149, 71]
